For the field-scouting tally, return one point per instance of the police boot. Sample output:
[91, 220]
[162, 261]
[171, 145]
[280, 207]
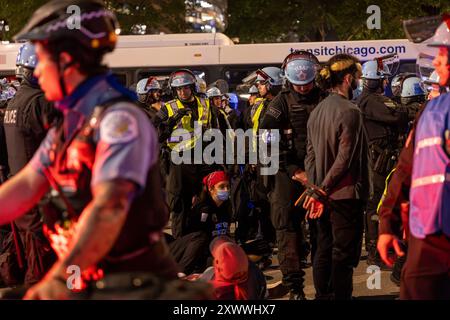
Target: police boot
[297, 295]
[398, 266]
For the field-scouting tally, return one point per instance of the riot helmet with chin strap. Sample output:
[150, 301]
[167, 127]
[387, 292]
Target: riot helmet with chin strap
[93, 29]
[182, 78]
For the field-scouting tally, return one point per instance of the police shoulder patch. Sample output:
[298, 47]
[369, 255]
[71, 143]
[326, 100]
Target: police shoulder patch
[274, 112]
[118, 126]
[388, 102]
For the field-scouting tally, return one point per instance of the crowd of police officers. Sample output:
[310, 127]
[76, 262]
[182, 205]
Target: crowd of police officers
[266, 210]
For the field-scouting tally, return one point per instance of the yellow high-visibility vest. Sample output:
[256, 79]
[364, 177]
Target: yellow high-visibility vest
[255, 114]
[187, 140]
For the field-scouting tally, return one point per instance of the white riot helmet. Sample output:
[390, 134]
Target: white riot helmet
[201, 85]
[411, 87]
[213, 92]
[141, 87]
[374, 71]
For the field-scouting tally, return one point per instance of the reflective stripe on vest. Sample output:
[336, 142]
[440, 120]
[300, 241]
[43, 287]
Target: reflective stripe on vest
[255, 115]
[386, 185]
[185, 138]
[424, 181]
[430, 181]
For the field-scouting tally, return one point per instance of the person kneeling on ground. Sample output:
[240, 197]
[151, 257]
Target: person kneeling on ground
[209, 217]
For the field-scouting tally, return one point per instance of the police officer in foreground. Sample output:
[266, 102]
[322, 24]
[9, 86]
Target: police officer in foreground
[103, 213]
[407, 89]
[384, 122]
[289, 112]
[28, 117]
[4, 170]
[183, 113]
[426, 273]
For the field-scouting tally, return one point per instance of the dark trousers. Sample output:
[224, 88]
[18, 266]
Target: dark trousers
[426, 274]
[25, 254]
[183, 183]
[339, 241]
[266, 229]
[191, 251]
[254, 215]
[286, 219]
[378, 183]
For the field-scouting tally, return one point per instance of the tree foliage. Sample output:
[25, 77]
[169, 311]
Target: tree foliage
[305, 20]
[17, 13]
[254, 21]
[159, 15]
[166, 16]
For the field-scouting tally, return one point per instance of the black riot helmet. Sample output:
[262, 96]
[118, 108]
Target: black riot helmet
[83, 28]
[182, 78]
[86, 22]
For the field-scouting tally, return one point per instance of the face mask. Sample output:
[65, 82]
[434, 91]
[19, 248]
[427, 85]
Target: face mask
[223, 195]
[354, 84]
[358, 90]
[142, 98]
[352, 89]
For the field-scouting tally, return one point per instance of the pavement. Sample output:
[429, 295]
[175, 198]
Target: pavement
[366, 286]
[366, 283]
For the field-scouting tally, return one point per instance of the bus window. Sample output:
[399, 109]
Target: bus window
[163, 73]
[234, 74]
[409, 66]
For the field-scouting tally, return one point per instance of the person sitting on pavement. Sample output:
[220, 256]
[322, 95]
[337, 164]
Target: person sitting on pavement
[233, 275]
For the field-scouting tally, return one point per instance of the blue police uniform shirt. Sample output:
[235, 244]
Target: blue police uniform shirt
[127, 145]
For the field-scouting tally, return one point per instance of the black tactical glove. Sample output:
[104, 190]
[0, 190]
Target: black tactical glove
[166, 127]
[180, 114]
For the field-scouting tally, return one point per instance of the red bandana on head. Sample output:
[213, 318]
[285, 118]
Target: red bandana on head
[214, 178]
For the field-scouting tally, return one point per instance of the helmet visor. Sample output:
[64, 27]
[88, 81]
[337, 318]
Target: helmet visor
[300, 72]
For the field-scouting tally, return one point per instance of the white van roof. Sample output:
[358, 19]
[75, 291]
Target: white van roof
[174, 40]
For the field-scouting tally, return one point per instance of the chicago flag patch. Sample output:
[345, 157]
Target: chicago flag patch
[118, 127]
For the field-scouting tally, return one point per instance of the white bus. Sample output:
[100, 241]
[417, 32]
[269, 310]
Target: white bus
[215, 56]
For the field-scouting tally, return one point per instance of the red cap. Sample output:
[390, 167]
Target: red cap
[214, 178]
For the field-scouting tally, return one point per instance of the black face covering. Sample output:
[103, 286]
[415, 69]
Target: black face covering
[152, 99]
[142, 98]
[353, 87]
